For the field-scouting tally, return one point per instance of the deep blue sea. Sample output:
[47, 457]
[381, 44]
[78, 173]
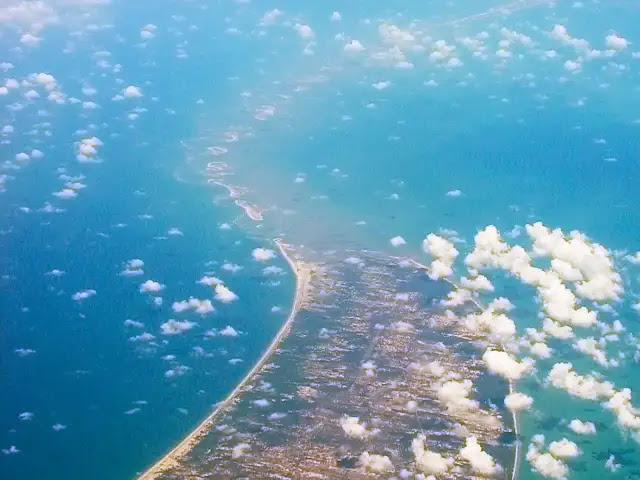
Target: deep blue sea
[346, 129]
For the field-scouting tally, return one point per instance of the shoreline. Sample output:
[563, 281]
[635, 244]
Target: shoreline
[303, 274]
[516, 419]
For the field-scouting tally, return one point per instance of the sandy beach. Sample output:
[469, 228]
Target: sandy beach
[303, 272]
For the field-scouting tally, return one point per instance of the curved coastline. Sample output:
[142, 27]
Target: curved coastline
[303, 273]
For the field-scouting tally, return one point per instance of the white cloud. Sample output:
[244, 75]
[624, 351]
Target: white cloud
[375, 463]
[353, 428]
[481, 462]
[201, 307]
[381, 85]
[228, 331]
[83, 295]
[304, 31]
[480, 282]
[546, 465]
[66, 194]
[564, 449]
[397, 241]
[582, 428]
[353, 46]
[240, 450]
[151, 286]
[616, 42]
[30, 40]
[209, 281]
[590, 346]
[588, 387]
[175, 327]
[262, 254]
[224, 295]
[336, 17]
[517, 401]
[271, 16]
[427, 461]
[628, 416]
[503, 364]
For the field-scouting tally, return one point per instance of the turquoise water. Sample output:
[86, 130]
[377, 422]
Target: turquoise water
[333, 161]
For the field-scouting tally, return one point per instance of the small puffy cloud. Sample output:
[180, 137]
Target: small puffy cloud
[582, 428]
[132, 92]
[202, 307]
[224, 295]
[272, 270]
[30, 40]
[240, 450]
[517, 401]
[545, 464]
[611, 464]
[572, 66]
[588, 387]
[133, 268]
[353, 46]
[590, 346]
[397, 241]
[270, 17]
[209, 281]
[262, 254]
[148, 32]
[502, 363]
[480, 282]
[66, 194]
[228, 331]
[454, 193]
[375, 463]
[381, 85]
[480, 461]
[541, 350]
[151, 286]
[175, 327]
[83, 295]
[304, 31]
[429, 462]
[353, 428]
[615, 42]
[133, 323]
[627, 415]
[564, 449]
[143, 337]
[336, 17]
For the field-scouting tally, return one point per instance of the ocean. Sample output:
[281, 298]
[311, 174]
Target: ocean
[341, 132]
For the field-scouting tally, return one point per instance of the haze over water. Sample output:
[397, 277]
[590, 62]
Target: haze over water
[351, 131]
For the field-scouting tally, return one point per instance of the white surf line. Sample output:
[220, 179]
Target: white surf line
[516, 419]
[187, 444]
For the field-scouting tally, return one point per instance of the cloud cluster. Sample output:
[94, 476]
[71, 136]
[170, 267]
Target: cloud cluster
[353, 428]
[175, 327]
[517, 401]
[201, 307]
[481, 462]
[504, 364]
[375, 463]
[427, 461]
[563, 376]
[444, 253]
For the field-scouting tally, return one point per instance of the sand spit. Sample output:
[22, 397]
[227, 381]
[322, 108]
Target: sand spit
[304, 272]
[251, 209]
